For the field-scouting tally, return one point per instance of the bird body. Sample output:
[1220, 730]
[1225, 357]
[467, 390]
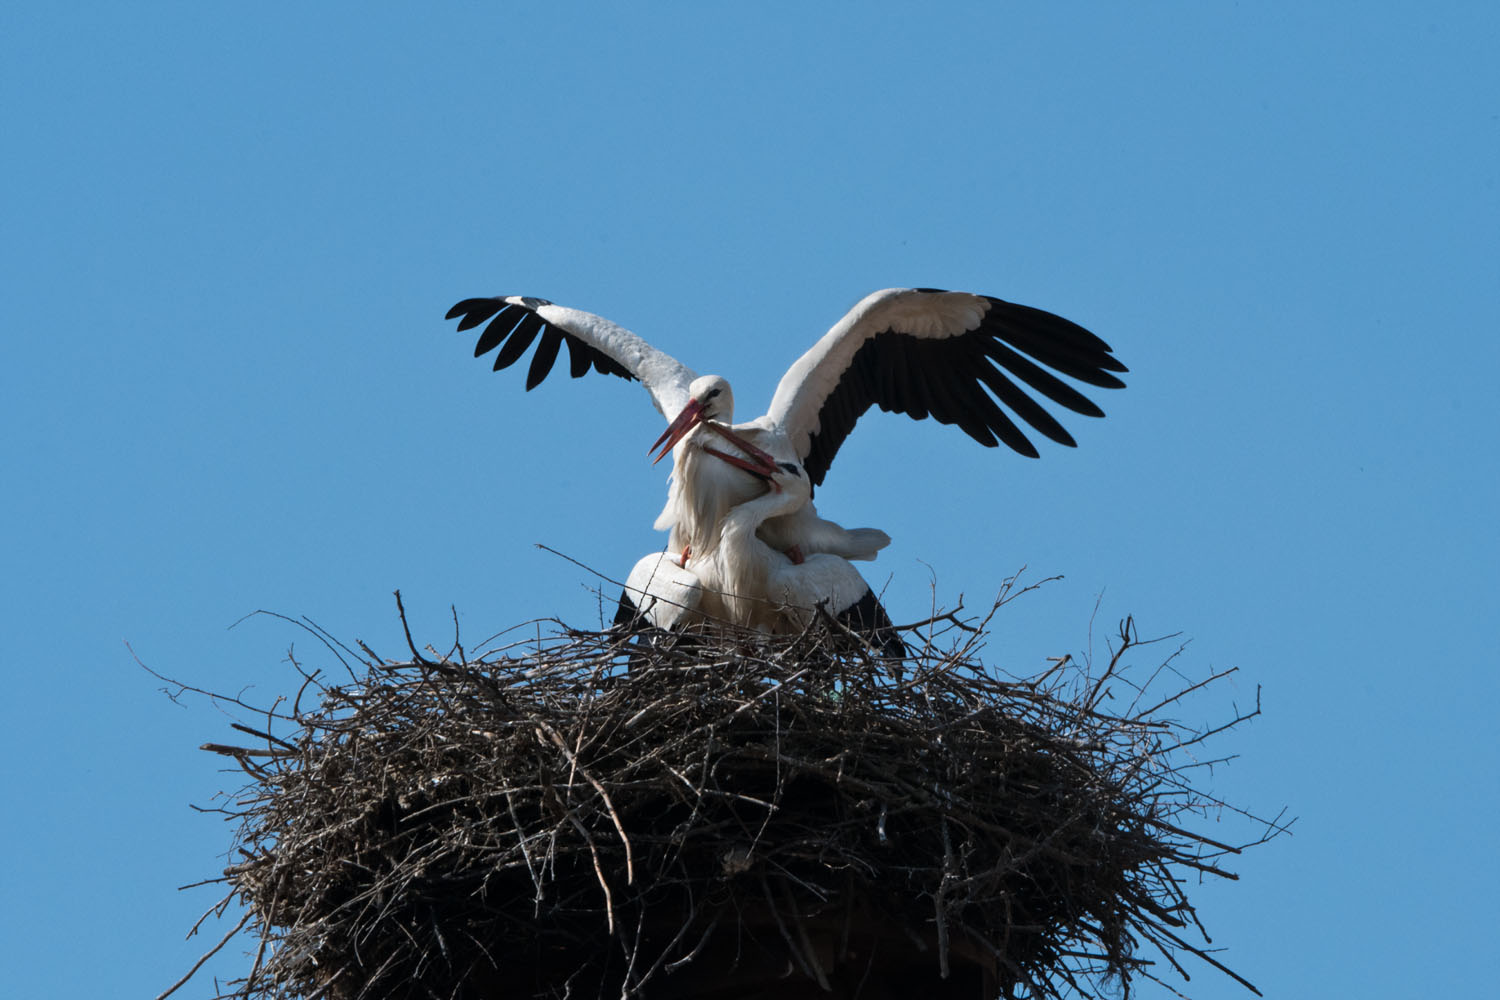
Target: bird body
[761, 587]
[662, 592]
[743, 580]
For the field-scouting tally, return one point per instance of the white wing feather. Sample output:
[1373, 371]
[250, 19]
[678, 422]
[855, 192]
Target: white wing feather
[514, 323]
[664, 377]
[806, 386]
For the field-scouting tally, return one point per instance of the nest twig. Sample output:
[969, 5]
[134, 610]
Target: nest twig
[593, 814]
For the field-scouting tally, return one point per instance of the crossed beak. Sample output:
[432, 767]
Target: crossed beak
[762, 470]
[757, 463]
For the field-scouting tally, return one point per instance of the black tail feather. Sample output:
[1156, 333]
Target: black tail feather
[868, 617]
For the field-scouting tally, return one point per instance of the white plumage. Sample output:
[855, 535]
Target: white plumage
[745, 581]
[760, 586]
[662, 592]
[713, 471]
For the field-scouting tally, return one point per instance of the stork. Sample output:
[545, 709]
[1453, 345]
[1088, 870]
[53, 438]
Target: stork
[955, 356]
[747, 582]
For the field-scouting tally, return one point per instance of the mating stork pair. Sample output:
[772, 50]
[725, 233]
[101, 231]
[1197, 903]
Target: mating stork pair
[747, 546]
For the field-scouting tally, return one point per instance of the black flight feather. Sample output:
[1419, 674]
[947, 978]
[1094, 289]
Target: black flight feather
[515, 326]
[983, 380]
[545, 357]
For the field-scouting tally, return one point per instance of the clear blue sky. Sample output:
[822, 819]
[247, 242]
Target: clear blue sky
[231, 232]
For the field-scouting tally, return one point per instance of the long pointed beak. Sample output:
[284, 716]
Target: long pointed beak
[768, 464]
[690, 417]
[756, 468]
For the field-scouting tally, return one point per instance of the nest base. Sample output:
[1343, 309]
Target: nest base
[673, 817]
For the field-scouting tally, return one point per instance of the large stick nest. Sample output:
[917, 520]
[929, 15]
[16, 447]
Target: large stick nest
[594, 814]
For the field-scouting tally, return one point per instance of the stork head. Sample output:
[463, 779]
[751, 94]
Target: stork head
[709, 399]
[791, 479]
[713, 395]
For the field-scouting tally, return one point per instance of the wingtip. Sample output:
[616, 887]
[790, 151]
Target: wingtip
[466, 306]
[472, 312]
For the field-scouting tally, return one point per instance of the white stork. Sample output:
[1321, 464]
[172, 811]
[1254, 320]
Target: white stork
[746, 582]
[952, 355]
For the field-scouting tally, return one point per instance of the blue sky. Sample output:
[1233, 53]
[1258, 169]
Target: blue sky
[232, 233]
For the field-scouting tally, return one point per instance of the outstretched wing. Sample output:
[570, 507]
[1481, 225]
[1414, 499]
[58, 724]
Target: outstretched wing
[516, 322]
[952, 355]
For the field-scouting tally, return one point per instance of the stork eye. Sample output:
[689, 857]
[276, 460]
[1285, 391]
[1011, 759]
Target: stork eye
[790, 468]
[712, 394]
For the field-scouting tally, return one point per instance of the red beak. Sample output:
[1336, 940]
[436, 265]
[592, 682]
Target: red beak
[756, 469]
[690, 417]
[760, 463]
